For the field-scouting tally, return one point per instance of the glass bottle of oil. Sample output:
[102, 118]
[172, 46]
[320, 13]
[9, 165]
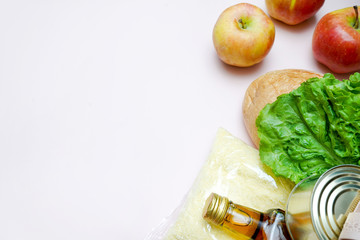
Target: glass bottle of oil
[245, 223]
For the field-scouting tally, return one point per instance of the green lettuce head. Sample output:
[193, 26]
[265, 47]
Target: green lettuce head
[313, 128]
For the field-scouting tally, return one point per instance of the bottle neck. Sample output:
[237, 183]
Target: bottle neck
[244, 222]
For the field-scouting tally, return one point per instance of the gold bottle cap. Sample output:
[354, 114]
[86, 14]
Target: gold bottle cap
[215, 208]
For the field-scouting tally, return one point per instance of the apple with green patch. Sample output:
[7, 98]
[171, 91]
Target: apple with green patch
[336, 40]
[293, 12]
[243, 35]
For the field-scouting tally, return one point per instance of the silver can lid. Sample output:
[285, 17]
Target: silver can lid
[333, 196]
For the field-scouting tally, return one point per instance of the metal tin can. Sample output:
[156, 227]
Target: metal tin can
[317, 206]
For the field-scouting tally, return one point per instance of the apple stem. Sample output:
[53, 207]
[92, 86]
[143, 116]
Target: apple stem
[356, 24]
[240, 23]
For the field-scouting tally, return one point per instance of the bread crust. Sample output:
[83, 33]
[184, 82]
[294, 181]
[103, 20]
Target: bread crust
[265, 89]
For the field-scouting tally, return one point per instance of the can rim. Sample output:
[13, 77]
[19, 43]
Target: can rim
[316, 224]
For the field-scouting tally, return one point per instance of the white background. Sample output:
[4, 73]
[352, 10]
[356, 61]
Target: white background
[108, 109]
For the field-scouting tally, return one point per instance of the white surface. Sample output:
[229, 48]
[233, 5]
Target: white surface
[108, 110]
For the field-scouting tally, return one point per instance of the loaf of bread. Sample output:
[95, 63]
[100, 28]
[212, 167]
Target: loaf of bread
[266, 89]
[234, 170]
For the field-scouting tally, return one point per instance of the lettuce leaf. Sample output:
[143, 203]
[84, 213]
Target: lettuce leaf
[313, 128]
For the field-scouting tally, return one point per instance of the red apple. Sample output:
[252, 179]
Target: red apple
[336, 40]
[293, 11]
[243, 35]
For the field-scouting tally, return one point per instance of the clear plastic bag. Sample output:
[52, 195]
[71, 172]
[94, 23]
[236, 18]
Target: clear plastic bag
[234, 170]
[161, 230]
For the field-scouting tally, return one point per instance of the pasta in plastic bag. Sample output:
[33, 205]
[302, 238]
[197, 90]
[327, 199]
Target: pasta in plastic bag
[234, 170]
